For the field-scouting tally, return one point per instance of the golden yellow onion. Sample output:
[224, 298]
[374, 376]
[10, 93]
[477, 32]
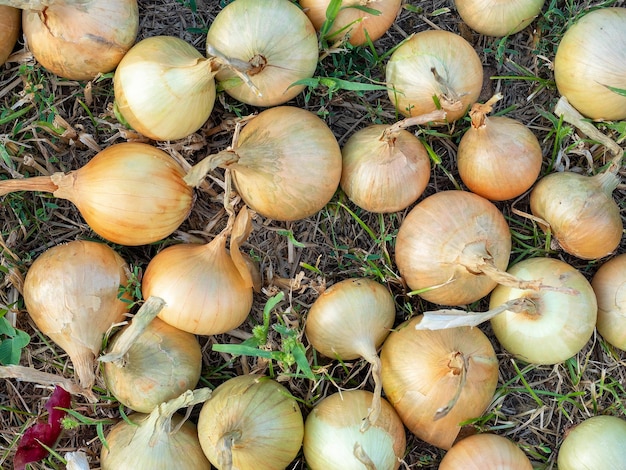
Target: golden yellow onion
[207, 289]
[590, 60]
[10, 24]
[436, 379]
[251, 421]
[78, 39]
[386, 168]
[609, 284]
[164, 88]
[485, 452]
[285, 163]
[356, 20]
[556, 325]
[580, 212]
[71, 293]
[272, 42]
[334, 439]
[434, 69]
[129, 193]
[498, 157]
[498, 17]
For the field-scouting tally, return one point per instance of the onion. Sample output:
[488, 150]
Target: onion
[334, 439]
[498, 158]
[498, 17]
[150, 362]
[207, 289]
[10, 23]
[553, 326]
[285, 163]
[129, 193]
[350, 320]
[251, 421]
[434, 69]
[485, 452]
[358, 21]
[164, 88]
[272, 42]
[78, 39]
[161, 440]
[590, 60]
[580, 212]
[437, 379]
[386, 168]
[609, 285]
[597, 443]
[71, 293]
[453, 247]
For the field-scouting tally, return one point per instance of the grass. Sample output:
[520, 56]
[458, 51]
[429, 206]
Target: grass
[533, 405]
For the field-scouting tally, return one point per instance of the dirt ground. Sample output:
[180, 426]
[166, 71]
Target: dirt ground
[534, 405]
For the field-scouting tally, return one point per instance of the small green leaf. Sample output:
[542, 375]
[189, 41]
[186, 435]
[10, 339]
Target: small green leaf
[619, 91]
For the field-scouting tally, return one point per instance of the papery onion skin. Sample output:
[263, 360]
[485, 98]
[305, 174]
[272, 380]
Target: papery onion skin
[498, 17]
[412, 82]
[71, 293]
[202, 288]
[499, 160]
[436, 232]
[161, 364]
[78, 43]
[583, 216]
[381, 176]
[289, 163]
[597, 443]
[421, 375]
[278, 41]
[178, 450]
[485, 452]
[562, 324]
[609, 284]
[591, 57]
[164, 88]
[357, 21]
[333, 427]
[264, 420]
[10, 24]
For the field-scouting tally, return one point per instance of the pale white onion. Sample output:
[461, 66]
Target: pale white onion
[498, 17]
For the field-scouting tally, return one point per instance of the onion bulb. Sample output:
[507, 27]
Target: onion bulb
[350, 320]
[164, 88]
[357, 20]
[10, 24]
[334, 439]
[597, 443]
[161, 440]
[285, 163]
[206, 288]
[269, 44]
[590, 64]
[609, 285]
[71, 293]
[498, 157]
[485, 452]
[453, 248]
[251, 421]
[436, 379]
[580, 212]
[150, 362]
[555, 325]
[78, 39]
[431, 70]
[498, 17]
[129, 193]
[386, 168]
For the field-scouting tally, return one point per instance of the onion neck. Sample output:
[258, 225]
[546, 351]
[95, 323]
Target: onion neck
[225, 449]
[200, 170]
[43, 184]
[374, 410]
[38, 5]
[360, 454]
[479, 111]
[241, 68]
[449, 99]
[608, 180]
[390, 134]
[458, 365]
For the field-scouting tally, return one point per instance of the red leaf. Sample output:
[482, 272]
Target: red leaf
[29, 449]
